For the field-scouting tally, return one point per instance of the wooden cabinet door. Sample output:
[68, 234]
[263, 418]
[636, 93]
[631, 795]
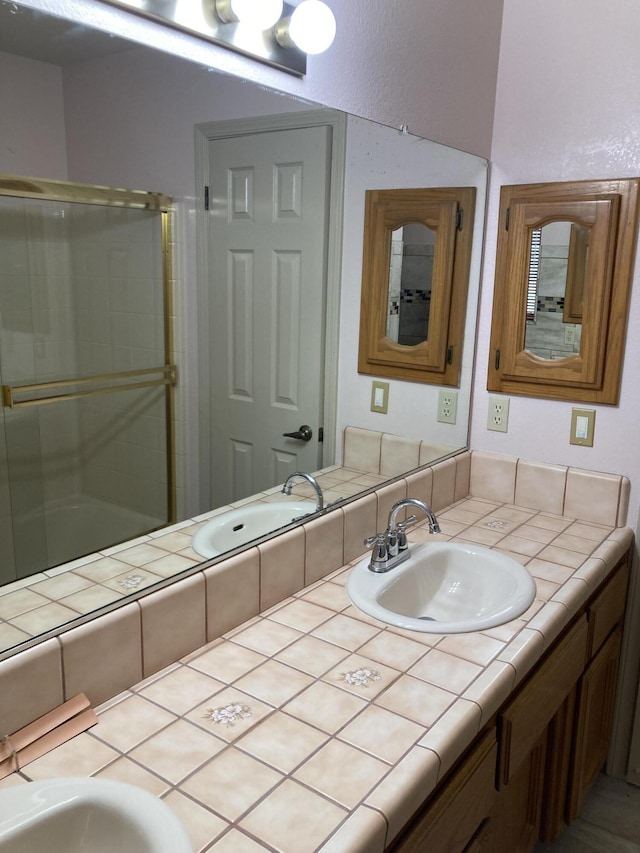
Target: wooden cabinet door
[594, 720]
[514, 823]
[482, 841]
[450, 821]
[559, 738]
[528, 714]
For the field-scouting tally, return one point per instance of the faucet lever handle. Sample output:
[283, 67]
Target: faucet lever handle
[380, 553]
[402, 525]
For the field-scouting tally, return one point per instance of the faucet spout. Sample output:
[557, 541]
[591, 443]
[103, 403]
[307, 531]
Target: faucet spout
[434, 527]
[286, 489]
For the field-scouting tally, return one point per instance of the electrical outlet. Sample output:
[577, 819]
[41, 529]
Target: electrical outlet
[447, 406]
[498, 418]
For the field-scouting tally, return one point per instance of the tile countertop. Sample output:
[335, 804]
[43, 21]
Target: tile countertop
[313, 727]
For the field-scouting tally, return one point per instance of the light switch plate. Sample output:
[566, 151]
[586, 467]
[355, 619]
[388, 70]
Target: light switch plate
[379, 397]
[583, 422]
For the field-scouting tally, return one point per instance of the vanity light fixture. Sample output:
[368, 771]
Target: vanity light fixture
[259, 14]
[271, 31]
[311, 27]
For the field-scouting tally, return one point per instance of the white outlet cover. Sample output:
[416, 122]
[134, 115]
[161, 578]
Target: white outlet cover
[447, 406]
[498, 414]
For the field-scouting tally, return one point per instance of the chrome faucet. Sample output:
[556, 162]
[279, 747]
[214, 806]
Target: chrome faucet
[286, 489]
[391, 547]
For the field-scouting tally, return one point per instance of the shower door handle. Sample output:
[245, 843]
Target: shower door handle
[305, 433]
[93, 385]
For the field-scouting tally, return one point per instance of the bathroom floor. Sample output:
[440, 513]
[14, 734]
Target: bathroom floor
[610, 822]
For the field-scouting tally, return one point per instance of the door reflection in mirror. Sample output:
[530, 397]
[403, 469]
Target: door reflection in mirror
[410, 281]
[558, 257]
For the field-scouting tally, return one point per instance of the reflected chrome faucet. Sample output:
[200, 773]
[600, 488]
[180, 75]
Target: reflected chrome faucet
[286, 489]
[391, 547]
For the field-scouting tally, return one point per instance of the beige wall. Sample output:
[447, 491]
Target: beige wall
[23, 131]
[425, 63]
[568, 108]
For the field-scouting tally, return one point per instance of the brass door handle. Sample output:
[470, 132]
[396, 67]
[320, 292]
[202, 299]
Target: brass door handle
[303, 434]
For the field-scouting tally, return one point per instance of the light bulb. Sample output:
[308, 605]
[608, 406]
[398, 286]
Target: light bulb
[312, 26]
[257, 14]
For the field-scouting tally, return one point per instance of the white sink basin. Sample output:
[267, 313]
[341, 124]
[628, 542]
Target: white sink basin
[88, 815]
[238, 526]
[444, 588]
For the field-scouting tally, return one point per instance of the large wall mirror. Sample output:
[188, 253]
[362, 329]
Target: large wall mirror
[562, 285]
[83, 106]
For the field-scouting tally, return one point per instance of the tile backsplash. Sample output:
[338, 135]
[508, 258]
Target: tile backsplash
[388, 454]
[588, 495]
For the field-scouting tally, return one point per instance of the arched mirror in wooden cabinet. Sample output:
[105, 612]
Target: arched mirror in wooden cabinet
[415, 278]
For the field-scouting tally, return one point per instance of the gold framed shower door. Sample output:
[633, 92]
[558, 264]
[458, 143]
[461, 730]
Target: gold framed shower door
[106, 383]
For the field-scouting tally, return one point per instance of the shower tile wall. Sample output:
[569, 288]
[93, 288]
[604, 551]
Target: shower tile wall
[410, 276]
[546, 336]
[6, 528]
[80, 293]
[415, 297]
[395, 280]
[117, 266]
[36, 344]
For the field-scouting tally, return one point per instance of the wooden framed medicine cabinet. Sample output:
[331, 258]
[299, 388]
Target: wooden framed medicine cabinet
[415, 277]
[563, 278]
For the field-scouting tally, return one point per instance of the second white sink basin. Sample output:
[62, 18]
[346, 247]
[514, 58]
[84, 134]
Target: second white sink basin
[444, 588]
[82, 815]
[239, 526]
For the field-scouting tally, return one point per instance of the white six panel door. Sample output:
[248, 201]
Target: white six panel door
[267, 259]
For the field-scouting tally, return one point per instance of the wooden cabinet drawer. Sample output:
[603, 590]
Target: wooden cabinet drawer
[451, 820]
[524, 719]
[607, 608]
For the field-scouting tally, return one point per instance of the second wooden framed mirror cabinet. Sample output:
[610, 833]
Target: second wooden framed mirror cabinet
[562, 283]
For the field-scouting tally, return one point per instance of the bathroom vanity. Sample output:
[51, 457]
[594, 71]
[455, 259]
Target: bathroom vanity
[532, 766]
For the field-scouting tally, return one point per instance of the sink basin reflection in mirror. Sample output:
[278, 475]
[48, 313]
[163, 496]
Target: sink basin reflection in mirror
[239, 526]
[82, 814]
[444, 588]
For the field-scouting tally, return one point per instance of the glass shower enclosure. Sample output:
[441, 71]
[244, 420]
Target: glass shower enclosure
[86, 441]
